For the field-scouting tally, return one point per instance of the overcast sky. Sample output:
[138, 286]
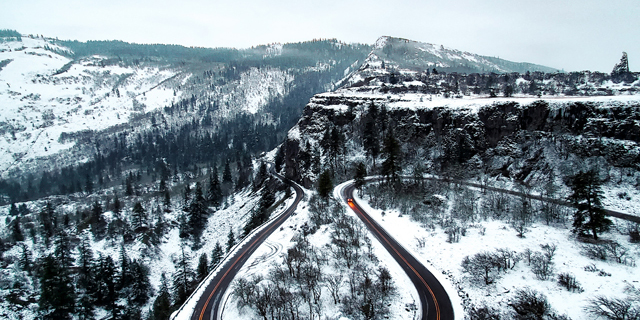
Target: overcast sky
[565, 34]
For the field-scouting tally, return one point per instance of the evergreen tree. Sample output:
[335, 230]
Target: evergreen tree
[25, 262]
[16, 231]
[13, 210]
[46, 219]
[85, 282]
[138, 217]
[124, 277]
[226, 174]
[214, 194]
[106, 283]
[167, 199]
[117, 206]
[203, 268]
[98, 223]
[182, 278]
[261, 214]
[197, 213]
[370, 134]
[361, 173]
[162, 304]
[139, 289]
[325, 185]
[186, 195]
[231, 240]
[391, 151]
[160, 226]
[216, 255]
[57, 298]
[261, 176]
[586, 198]
[57, 293]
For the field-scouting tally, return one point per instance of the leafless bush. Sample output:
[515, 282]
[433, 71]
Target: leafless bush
[484, 312]
[616, 250]
[569, 281]
[595, 251]
[613, 308]
[541, 265]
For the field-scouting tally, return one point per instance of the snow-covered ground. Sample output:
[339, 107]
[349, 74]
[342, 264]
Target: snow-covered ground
[447, 257]
[472, 103]
[39, 102]
[405, 304]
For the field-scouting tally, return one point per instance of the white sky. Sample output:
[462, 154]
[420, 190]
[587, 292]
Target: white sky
[569, 34]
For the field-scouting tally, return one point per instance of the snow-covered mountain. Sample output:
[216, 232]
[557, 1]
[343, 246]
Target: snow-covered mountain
[527, 131]
[46, 96]
[54, 100]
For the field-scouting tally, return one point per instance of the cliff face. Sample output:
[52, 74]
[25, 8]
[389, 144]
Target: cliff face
[526, 127]
[506, 136]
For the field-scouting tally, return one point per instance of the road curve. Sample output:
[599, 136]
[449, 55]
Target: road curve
[210, 301]
[436, 304]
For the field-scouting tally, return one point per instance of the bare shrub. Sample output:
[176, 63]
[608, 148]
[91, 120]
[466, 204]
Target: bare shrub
[613, 308]
[482, 266]
[616, 250]
[568, 281]
[595, 251]
[484, 312]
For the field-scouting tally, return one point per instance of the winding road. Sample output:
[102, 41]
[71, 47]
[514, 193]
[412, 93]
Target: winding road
[210, 302]
[436, 304]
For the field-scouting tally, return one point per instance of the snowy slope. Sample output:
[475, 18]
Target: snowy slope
[39, 104]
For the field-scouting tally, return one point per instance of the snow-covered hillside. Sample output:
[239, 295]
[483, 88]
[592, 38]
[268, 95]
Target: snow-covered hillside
[47, 97]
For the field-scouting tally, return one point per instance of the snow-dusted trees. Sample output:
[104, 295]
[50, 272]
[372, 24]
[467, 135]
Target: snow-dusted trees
[261, 214]
[613, 308]
[325, 185]
[57, 292]
[392, 154]
[183, 278]
[586, 197]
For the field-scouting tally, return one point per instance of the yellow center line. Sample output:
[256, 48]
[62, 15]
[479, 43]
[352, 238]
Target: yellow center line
[206, 304]
[356, 208]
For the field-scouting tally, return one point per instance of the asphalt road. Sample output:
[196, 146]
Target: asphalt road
[436, 304]
[210, 301]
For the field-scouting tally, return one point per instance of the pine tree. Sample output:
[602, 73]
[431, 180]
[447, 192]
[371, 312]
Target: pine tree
[98, 223]
[391, 164]
[57, 293]
[231, 240]
[203, 268]
[16, 231]
[139, 287]
[182, 278]
[325, 185]
[226, 174]
[167, 199]
[46, 219]
[261, 176]
[586, 198]
[106, 283]
[117, 206]
[370, 134]
[124, 276]
[216, 255]
[85, 282]
[214, 194]
[361, 173]
[138, 217]
[13, 210]
[25, 258]
[197, 213]
[162, 304]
